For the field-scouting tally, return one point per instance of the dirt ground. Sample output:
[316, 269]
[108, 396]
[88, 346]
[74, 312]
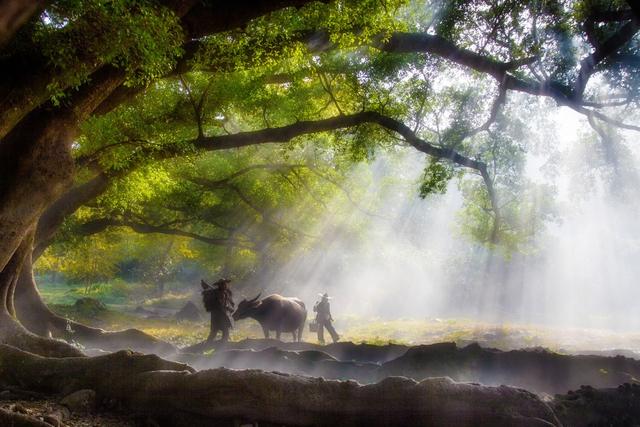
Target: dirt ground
[51, 412]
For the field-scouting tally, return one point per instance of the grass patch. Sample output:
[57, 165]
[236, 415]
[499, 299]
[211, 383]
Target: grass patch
[376, 331]
[173, 300]
[108, 293]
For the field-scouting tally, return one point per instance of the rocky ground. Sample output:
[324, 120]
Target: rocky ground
[50, 412]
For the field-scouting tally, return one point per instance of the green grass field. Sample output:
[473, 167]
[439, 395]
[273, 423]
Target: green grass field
[505, 336]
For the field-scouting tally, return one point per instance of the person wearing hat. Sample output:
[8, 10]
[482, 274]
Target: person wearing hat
[218, 300]
[324, 319]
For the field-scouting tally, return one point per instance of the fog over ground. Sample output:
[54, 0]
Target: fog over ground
[409, 259]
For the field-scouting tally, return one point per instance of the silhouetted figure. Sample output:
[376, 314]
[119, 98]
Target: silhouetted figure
[218, 300]
[324, 319]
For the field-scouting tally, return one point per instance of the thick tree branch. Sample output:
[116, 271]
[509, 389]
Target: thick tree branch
[66, 205]
[222, 15]
[99, 225]
[602, 51]
[76, 197]
[287, 133]
[439, 46]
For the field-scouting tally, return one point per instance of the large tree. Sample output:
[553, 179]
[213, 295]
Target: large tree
[59, 69]
[360, 73]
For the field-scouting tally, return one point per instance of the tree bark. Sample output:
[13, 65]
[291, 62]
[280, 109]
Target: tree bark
[11, 331]
[51, 220]
[33, 312]
[37, 166]
[36, 161]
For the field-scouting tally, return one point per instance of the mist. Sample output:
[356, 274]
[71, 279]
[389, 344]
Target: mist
[395, 255]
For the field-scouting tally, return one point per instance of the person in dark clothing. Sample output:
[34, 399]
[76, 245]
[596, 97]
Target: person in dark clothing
[218, 300]
[324, 318]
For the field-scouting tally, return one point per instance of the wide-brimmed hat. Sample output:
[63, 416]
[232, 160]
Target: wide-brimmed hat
[325, 295]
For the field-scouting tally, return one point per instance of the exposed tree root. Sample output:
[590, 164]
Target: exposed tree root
[538, 370]
[618, 406]
[49, 323]
[39, 319]
[169, 392]
[12, 333]
[109, 375]
[343, 350]
[533, 369]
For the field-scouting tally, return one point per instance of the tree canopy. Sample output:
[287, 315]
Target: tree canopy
[233, 123]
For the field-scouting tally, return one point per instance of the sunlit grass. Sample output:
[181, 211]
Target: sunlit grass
[114, 292]
[409, 331]
[171, 299]
[381, 332]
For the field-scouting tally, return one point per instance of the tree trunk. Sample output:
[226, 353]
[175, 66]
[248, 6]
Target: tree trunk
[33, 312]
[36, 161]
[36, 167]
[39, 319]
[11, 331]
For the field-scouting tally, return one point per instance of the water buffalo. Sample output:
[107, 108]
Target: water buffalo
[275, 313]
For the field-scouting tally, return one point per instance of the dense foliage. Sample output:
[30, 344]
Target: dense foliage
[461, 76]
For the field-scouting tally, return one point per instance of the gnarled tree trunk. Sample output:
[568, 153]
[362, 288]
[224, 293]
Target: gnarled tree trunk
[33, 312]
[11, 331]
[38, 318]
[37, 166]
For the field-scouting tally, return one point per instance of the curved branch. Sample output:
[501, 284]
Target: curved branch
[98, 225]
[70, 201]
[495, 109]
[439, 46]
[286, 133]
[346, 193]
[265, 215]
